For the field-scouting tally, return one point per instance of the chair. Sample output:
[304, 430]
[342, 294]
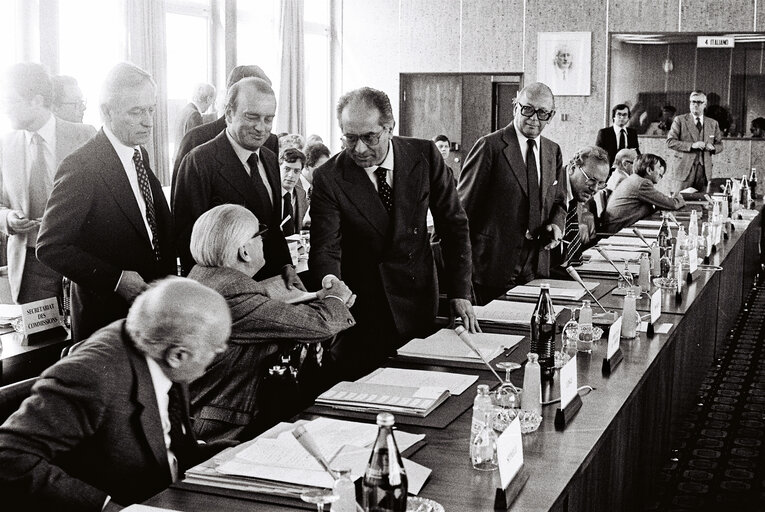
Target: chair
[12, 395]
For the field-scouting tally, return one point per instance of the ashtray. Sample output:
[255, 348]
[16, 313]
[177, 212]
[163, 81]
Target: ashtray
[417, 504]
[667, 283]
[529, 421]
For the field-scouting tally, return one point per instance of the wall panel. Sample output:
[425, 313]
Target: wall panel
[430, 35]
[706, 15]
[643, 15]
[492, 35]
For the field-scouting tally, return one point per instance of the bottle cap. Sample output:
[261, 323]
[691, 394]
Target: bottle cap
[544, 286]
[342, 471]
[385, 419]
[483, 389]
[533, 357]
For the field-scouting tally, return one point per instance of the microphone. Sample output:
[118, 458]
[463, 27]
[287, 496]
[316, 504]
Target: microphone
[575, 275]
[465, 337]
[641, 237]
[608, 259]
[306, 441]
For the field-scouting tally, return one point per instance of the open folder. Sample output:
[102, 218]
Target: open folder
[445, 345]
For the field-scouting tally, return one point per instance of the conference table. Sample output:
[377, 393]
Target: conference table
[611, 452]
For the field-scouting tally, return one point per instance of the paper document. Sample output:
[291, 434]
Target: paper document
[632, 241]
[605, 268]
[454, 382]
[146, 508]
[594, 255]
[9, 311]
[559, 289]
[648, 223]
[277, 290]
[446, 345]
[646, 232]
[506, 312]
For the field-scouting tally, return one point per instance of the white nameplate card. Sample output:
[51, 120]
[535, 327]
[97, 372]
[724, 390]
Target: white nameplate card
[568, 382]
[614, 335]
[655, 305]
[510, 452]
[657, 329]
[41, 315]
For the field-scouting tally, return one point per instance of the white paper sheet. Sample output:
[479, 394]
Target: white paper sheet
[505, 311]
[454, 382]
[446, 345]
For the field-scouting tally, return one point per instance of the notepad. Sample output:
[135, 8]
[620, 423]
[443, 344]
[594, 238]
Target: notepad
[559, 289]
[615, 255]
[623, 240]
[445, 345]
[505, 312]
[455, 383]
[647, 233]
[606, 269]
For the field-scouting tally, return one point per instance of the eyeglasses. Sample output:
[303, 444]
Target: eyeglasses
[698, 102]
[591, 182]
[369, 139]
[542, 114]
[261, 232]
[627, 162]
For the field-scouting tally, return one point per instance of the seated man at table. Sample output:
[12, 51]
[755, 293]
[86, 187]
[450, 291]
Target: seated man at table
[226, 401]
[622, 168]
[636, 197]
[108, 425]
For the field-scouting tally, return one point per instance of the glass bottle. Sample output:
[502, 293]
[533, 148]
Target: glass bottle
[728, 191]
[385, 483]
[681, 246]
[745, 191]
[716, 224]
[481, 405]
[644, 277]
[665, 264]
[753, 182]
[531, 399]
[655, 260]
[625, 278]
[585, 328]
[693, 230]
[543, 332]
[629, 316]
[665, 235]
[345, 491]
[706, 234]
[483, 448]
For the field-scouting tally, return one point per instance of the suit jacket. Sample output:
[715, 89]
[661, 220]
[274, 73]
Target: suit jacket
[387, 259]
[205, 133]
[635, 198]
[494, 192]
[188, 118]
[14, 186]
[680, 138]
[224, 400]
[92, 230]
[90, 428]
[302, 206]
[211, 175]
[607, 140]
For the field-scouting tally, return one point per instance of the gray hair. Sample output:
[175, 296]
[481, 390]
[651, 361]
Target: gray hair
[220, 232]
[203, 92]
[232, 94]
[370, 97]
[622, 154]
[586, 153]
[240, 72]
[121, 78]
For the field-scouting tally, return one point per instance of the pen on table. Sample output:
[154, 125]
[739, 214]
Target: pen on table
[509, 351]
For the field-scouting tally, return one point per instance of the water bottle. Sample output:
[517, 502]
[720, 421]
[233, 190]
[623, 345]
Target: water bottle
[585, 328]
[644, 277]
[681, 254]
[385, 483]
[483, 449]
[543, 332]
[629, 316]
[665, 235]
[345, 491]
[655, 260]
[481, 405]
[693, 231]
[531, 399]
[753, 182]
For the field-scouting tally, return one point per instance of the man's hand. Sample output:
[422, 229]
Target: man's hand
[464, 309]
[556, 237]
[331, 285]
[699, 144]
[131, 285]
[710, 147]
[18, 222]
[291, 279]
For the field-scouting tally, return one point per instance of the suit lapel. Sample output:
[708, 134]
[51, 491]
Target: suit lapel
[514, 157]
[15, 168]
[547, 171]
[406, 186]
[359, 190]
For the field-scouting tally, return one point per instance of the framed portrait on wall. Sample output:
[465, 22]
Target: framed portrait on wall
[563, 62]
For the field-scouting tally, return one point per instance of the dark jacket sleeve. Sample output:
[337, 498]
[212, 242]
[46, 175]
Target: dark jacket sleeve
[600, 140]
[475, 179]
[558, 210]
[326, 235]
[192, 199]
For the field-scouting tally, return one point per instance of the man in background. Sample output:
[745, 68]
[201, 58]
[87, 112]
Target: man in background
[617, 136]
[191, 115]
[316, 155]
[29, 156]
[107, 226]
[693, 139]
[368, 228]
[622, 168]
[294, 201]
[758, 128]
[513, 189]
[445, 147]
[68, 102]
[108, 425]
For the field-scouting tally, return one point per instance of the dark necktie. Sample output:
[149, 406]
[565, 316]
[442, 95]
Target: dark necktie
[571, 240]
[288, 228]
[535, 209]
[151, 215]
[181, 444]
[622, 139]
[39, 179]
[698, 125]
[260, 187]
[385, 190]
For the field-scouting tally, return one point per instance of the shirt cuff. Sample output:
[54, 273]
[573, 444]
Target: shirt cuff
[335, 297]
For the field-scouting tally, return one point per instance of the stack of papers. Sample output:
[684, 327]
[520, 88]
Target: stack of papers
[396, 390]
[649, 232]
[275, 463]
[9, 313]
[559, 289]
[445, 345]
[603, 268]
[507, 314]
[626, 241]
[615, 255]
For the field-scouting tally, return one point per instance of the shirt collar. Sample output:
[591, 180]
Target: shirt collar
[387, 163]
[124, 152]
[523, 140]
[700, 116]
[46, 131]
[162, 382]
[618, 130]
[242, 153]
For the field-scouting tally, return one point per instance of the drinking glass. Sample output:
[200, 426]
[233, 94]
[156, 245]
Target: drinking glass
[506, 400]
[320, 497]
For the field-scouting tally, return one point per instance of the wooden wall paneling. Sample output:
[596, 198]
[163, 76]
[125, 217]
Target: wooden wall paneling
[492, 35]
[476, 108]
[433, 106]
[680, 80]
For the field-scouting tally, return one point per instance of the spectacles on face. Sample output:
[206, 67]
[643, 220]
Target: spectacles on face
[698, 102]
[627, 162]
[369, 139]
[261, 232]
[542, 114]
[592, 183]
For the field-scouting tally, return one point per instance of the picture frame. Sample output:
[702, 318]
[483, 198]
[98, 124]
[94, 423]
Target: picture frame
[563, 62]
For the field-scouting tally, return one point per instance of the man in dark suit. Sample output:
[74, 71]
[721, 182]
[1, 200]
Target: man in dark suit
[190, 116]
[513, 189]
[294, 200]
[108, 425]
[618, 136]
[368, 208]
[208, 131]
[235, 168]
[107, 226]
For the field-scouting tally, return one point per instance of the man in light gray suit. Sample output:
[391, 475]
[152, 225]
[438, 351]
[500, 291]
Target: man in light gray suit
[29, 156]
[694, 138]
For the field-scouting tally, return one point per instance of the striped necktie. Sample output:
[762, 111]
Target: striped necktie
[571, 240]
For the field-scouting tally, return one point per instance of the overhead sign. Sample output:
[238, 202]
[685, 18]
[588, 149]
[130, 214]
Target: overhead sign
[715, 42]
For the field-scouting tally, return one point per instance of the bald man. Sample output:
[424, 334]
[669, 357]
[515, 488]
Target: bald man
[108, 425]
[513, 189]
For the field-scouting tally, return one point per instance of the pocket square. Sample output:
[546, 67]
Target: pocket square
[555, 182]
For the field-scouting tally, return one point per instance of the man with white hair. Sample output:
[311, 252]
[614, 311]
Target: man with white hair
[107, 226]
[191, 115]
[622, 167]
[108, 425]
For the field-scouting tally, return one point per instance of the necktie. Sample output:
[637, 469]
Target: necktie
[257, 181]
[571, 240]
[385, 190]
[39, 179]
[622, 139]
[180, 444]
[151, 215]
[535, 209]
[698, 125]
[288, 228]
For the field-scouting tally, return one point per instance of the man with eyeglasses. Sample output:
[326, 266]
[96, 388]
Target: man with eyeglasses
[622, 168]
[368, 227]
[693, 139]
[107, 226]
[513, 189]
[637, 197]
[68, 102]
[617, 136]
[235, 167]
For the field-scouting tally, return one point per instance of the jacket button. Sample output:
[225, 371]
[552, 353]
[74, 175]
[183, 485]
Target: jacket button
[416, 231]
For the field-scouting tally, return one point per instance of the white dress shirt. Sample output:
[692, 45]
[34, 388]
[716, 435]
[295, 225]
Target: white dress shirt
[523, 142]
[387, 163]
[48, 134]
[243, 154]
[162, 385]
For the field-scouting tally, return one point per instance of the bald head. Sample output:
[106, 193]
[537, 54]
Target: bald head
[534, 107]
